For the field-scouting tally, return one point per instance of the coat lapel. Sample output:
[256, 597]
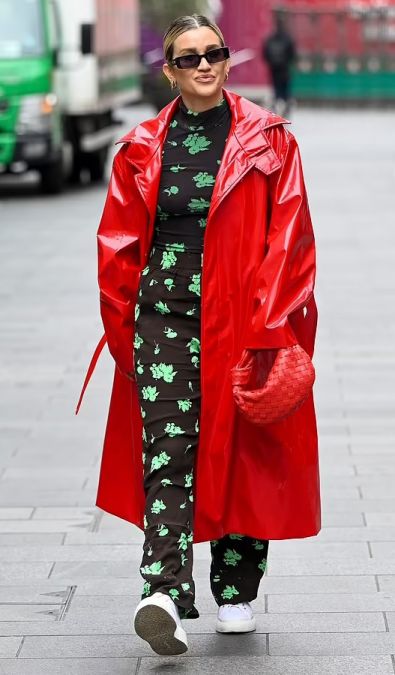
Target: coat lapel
[247, 147]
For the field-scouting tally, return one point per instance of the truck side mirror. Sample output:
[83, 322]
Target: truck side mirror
[87, 38]
[55, 56]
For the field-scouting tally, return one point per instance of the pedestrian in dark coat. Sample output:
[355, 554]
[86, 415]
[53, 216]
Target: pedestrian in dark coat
[279, 52]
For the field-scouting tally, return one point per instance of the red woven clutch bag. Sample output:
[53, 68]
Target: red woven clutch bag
[268, 385]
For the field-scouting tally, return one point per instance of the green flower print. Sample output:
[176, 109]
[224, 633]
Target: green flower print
[139, 367]
[216, 579]
[158, 506]
[160, 460]
[195, 285]
[169, 283]
[162, 307]
[185, 404]
[172, 190]
[198, 205]
[192, 112]
[146, 588]
[188, 480]
[202, 222]
[191, 312]
[258, 545]
[173, 124]
[195, 361]
[157, 348]
[165, 482]
[169, 259]
[183, 541]
[196, 143]
[174, 594]
[236, 537]
[145, 271]
[136, 311]
[197, 426]
[190, 385]
[176, 246]
[154, 569]
[138, 341]
[162, 530]
[204, 179]
[169, 332]
[194, 346]
[262, 565]
[162, 370]
[184, 559]
[172, 143]
[183, 505]
[162, 215]
[231, 557]
[229, 592]
[150, 393]
[185, 586]
[152, 439]
[176, 169]
[173, 430]
[153, 282]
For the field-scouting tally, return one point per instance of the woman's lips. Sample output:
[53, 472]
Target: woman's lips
[205, 79]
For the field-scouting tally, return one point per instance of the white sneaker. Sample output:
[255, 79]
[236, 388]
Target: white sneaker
[157, 621]
[235, 618]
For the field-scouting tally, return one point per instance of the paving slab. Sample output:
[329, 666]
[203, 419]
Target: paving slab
[270, 665]
[335, 644]
[9, 646]
[88, 666]
[116, 646]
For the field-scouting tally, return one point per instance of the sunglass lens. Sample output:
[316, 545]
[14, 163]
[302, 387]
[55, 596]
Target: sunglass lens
[188, 61]
[217, 55]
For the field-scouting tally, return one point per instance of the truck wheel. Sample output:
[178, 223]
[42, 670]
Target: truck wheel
[52, 178]
[96, 163]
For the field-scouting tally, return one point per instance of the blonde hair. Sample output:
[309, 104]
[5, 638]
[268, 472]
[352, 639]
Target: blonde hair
[181, 25]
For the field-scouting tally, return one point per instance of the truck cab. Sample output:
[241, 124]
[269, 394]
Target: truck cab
[65, 68]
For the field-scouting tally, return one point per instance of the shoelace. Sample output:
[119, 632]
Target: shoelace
[243, 605]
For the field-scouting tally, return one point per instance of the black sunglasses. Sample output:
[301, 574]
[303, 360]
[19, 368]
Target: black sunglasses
[193, 60]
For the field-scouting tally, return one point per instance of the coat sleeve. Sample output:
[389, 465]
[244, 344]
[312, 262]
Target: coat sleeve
[283, 289]
[119, 238]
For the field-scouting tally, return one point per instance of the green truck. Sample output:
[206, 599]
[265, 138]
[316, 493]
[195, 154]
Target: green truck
[66, 66]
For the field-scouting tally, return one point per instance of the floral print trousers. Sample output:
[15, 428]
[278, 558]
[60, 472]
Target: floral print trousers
[167, 357]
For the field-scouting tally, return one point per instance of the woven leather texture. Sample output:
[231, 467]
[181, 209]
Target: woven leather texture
[269, 385]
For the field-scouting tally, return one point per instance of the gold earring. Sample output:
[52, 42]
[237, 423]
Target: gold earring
[173, 84]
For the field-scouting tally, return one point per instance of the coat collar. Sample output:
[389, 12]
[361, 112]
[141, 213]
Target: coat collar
[247, 146]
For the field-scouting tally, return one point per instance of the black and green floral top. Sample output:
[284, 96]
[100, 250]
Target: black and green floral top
[190, 160]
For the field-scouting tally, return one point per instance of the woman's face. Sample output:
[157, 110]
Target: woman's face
[201, 85]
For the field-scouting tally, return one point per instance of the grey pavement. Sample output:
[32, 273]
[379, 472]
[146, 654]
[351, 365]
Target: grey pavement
[69, 576]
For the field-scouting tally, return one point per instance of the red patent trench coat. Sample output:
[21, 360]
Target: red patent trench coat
[257, 292]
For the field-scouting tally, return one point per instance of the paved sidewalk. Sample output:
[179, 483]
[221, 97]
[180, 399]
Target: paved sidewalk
[69, 576]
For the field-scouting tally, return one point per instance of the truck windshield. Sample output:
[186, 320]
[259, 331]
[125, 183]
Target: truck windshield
[21, 29]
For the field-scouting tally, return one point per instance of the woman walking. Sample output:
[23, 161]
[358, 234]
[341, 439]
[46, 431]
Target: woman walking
[206, 250]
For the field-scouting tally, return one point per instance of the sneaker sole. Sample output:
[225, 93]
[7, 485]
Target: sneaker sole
[154, 625]
[236, 626]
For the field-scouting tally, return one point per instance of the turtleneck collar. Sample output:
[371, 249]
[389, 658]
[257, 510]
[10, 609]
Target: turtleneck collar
[205, 119]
